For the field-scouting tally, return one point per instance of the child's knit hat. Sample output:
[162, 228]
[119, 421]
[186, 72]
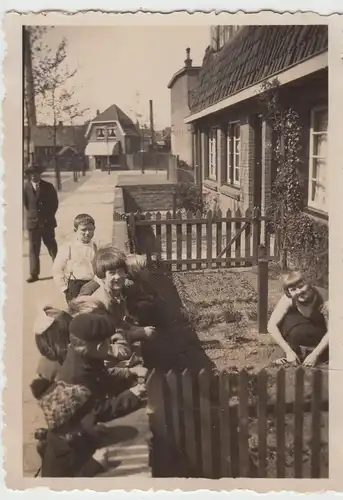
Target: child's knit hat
[62, 402]
[92, 327]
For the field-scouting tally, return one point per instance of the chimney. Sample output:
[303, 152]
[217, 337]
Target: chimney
[97, 112]
[188, 60]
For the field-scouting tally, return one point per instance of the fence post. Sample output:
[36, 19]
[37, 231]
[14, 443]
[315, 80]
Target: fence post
[132, 232]
[256, 221]
[174, 204]
[262, 289]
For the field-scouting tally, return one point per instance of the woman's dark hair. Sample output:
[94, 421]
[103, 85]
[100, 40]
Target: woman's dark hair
[53, 342]
[108, 258]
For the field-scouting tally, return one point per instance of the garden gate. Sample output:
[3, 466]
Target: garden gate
[185, 241]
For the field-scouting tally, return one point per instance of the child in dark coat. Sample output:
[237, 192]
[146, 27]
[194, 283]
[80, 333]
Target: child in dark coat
[85, 365]
[69, 447]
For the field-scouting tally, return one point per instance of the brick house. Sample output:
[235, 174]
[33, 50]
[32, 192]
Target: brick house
[181, 86]
[110, 136]
[44, 147]
[232, 146]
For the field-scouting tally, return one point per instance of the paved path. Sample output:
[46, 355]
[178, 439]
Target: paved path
[94, 196]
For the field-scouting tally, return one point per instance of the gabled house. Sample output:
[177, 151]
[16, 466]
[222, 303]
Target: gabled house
[233, 147]
[110, 136]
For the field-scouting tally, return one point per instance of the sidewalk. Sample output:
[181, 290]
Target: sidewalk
[94, 196]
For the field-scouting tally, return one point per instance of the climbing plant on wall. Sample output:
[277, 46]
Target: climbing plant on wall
[303, 238]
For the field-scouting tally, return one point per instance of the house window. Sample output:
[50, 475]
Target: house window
[112, 132]
[100, 133]
[233, 154]
[212, 151]
[318, 159]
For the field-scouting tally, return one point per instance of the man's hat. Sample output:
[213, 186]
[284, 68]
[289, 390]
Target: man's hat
[34, 168]
[92, 327]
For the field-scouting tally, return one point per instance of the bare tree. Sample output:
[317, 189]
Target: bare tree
[50, 76]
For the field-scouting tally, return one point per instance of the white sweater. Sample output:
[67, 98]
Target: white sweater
[74, 260]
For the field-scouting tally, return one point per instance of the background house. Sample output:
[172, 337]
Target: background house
[181, 86]
[111, 136]
[45, 147]
[233, 146]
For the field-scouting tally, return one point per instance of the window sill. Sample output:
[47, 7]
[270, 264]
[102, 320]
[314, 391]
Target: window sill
[210, 184]
[231, 191]
[318, 215]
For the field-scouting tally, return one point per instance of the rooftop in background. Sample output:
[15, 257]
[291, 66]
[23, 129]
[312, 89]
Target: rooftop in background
[253, 54]
[113, 114]
[66, 135]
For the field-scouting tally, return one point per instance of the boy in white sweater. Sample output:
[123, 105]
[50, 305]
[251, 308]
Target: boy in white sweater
[73, 267]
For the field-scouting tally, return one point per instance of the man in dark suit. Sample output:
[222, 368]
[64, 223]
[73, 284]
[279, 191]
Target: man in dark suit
[41, 203]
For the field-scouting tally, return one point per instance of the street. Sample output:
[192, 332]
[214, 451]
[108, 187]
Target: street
[94, 196]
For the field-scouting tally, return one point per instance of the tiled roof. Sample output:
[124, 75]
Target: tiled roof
[253, 54]
[66, 135]
[114, 113]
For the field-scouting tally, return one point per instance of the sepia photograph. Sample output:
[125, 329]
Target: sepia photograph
[175, 251]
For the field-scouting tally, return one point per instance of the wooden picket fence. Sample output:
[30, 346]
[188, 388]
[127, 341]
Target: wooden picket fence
[186, 241]
[242, 425]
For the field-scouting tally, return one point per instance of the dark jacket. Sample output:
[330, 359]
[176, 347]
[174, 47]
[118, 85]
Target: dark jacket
[110, 403]
[41, 205]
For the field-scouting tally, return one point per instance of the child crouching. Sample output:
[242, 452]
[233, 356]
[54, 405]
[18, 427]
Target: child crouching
[84, 365]
[69, 447]
[119, 350]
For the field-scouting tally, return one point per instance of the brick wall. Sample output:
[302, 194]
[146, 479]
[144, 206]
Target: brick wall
[148, 197]
[302, 95]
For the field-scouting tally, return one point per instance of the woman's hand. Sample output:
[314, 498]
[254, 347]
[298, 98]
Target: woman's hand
[149, 331]
[310, 360]
[138, 390]
[291, 357]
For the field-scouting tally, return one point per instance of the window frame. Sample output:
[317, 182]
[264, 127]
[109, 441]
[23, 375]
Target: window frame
[213, 154]
[313, 204]
[231, 168]
[99, 138]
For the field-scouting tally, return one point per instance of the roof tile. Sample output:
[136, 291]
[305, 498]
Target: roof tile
[253, 54]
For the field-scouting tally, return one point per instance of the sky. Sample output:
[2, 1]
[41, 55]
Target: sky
[115, 63]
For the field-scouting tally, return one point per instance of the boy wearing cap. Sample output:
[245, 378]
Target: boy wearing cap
[41, 204]
[84, 365]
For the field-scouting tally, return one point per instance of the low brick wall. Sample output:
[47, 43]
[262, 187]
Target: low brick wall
[150, 160]
[148, 197]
